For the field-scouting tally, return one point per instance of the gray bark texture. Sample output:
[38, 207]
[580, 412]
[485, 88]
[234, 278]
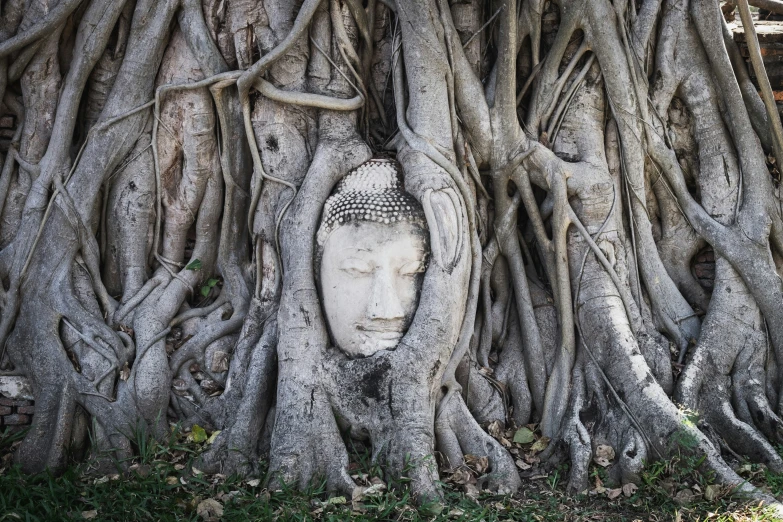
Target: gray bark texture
[161, 194]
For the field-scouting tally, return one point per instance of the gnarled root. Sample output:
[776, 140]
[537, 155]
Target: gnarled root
[459, 434]
[236, 448]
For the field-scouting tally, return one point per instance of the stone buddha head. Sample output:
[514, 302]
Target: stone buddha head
[373, 249]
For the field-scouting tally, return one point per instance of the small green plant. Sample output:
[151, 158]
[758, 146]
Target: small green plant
[207, 287]
[774, 481]
[653, 471]
[160, 484]
[361, 455]
[556, 476]
[9, 437]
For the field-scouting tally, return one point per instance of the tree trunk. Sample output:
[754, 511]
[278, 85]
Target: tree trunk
[161, 198]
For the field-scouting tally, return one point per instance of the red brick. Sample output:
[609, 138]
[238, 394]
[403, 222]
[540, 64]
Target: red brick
[16, 420]
[5, 401]
[705, 270]
[28, 410]
[5, 410]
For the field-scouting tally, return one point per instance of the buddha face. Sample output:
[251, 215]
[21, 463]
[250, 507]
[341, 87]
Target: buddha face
[371, 275]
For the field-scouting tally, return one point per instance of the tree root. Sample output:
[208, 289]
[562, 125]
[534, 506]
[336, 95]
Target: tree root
[461, 435]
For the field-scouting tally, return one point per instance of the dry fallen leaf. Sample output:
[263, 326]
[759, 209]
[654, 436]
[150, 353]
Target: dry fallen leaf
[210, 510]
[209, 386]
[711, 492]
[613, 493]
[375, 490]
[629, 489]
[461, 475]
[531, 459]
[360, 493]
[477, 464]
[540, 445]
[226, 497]
[599, 486]
[495, 429]
[604, 455]
[521, 464]
[667, 486]
[125, 373]
[220, 361]
[471, 491]
[180, 387]
[87, 515]
[686, 496]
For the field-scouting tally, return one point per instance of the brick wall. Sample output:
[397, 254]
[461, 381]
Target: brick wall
[15, 413]
[16, 401]
[704, 268]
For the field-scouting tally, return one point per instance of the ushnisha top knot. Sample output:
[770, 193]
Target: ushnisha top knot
[373, 191]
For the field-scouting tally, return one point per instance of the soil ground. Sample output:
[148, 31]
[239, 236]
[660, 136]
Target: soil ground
[161, 484]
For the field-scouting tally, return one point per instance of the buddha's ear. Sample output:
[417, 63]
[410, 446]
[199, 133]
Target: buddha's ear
[443, 206]
[445, 220]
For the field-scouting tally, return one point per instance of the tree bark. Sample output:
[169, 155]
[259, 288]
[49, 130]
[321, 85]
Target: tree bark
[160, 198]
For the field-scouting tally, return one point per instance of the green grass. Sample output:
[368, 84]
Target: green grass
[162, 486]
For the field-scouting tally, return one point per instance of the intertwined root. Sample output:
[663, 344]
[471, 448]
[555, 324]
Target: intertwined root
[560, 276]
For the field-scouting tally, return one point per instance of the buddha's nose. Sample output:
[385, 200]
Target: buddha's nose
[384, 304]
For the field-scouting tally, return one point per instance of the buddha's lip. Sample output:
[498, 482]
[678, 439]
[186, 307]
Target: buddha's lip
[388, 332]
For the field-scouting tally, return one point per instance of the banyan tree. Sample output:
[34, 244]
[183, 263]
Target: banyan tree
[304, 222]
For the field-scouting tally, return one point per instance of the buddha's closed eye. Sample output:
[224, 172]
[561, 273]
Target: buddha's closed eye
[412, 268]
[357, 267]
